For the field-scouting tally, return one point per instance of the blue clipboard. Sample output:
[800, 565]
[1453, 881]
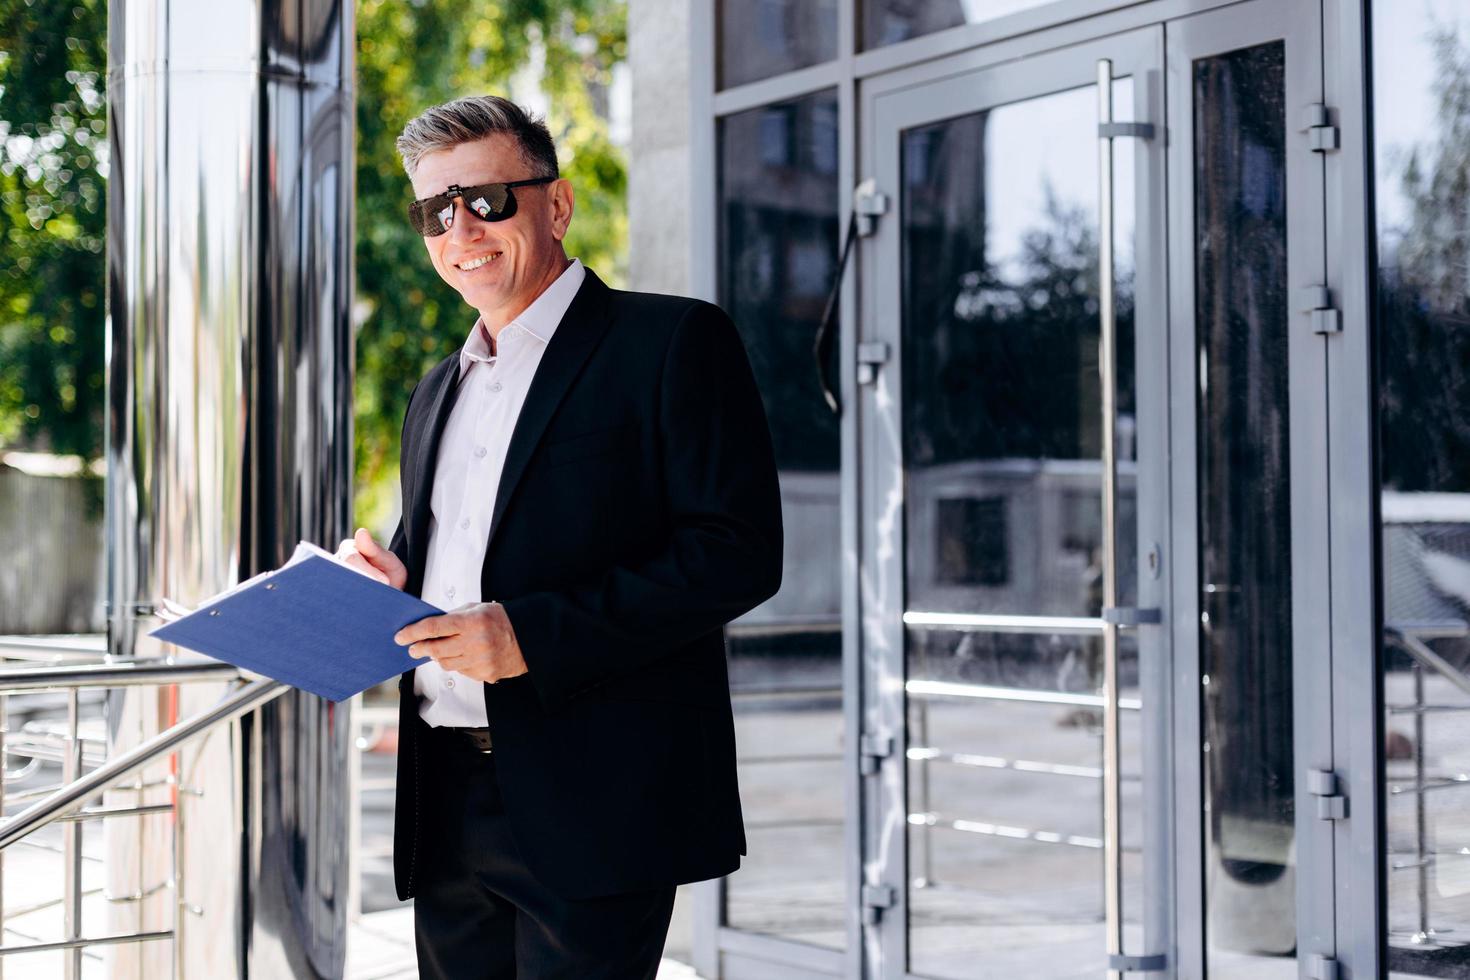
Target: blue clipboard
[314, 623]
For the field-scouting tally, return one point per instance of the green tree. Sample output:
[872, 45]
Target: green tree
[53, 167]
[411, 56]
[1424, 290]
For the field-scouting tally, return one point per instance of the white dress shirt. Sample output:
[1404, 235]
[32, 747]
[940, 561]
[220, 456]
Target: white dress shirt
[492, 388]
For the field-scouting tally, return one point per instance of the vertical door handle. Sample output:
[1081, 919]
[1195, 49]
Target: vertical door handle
[1107, 368]
[1113, 616]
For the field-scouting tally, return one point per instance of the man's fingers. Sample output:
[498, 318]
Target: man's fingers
[366, 545]
[445, 651]
[358, 563]
[428, 628]
[424, 649]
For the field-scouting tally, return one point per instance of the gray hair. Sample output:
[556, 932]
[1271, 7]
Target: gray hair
[476, 117]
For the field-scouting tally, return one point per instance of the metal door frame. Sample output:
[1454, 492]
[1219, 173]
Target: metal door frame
[889, 105]
[1203, 35]
[1357, 675]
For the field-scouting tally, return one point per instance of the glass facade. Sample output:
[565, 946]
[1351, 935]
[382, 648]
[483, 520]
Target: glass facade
[761, 38]
[778, 258]
[1421, 101]
[973, 825]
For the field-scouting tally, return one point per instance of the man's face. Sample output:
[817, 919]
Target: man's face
[525, 250]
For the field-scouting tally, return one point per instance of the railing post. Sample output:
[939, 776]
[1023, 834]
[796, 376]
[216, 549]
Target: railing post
[4, 768]
[1421, 832]
[71, 839]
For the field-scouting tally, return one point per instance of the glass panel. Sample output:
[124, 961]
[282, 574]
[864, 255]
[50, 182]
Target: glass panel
[1001, 401]
[1005, 803]
[778, 255]
[761, 38]
[1421, 103]
[1241, 318]
[891, 21]
[1002, 441]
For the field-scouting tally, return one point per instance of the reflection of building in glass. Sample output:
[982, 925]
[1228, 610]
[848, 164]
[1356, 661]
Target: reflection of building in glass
[760, 38]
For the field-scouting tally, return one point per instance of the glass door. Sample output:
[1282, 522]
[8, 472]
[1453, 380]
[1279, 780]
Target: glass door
[1087, 757]
[1257, 794]
[1012, 727]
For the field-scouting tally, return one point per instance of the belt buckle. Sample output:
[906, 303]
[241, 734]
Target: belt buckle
[479, 738]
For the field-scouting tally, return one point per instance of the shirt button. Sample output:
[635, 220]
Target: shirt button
[464, 524]
[449, 592]
[480, 452]
[449, 682]
[495, 386]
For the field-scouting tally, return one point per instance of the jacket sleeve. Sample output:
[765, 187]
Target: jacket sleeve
[722, 556]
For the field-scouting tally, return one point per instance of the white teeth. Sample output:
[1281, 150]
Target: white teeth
[475, 264]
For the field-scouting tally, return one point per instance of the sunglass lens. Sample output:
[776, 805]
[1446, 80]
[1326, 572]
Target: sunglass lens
[491, 202]
[432, 216]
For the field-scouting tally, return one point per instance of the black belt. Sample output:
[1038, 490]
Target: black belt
[475, 738]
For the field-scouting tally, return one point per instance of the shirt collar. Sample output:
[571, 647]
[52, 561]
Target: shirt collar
[539, 320]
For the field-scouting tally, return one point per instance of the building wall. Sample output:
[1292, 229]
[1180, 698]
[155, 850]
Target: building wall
[659, 160]
[51, 540]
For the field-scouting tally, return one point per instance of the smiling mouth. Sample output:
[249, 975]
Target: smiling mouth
[474, 264]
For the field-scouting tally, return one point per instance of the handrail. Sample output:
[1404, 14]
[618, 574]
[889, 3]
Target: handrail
[78, 791]
[1409, 640]
[133, 674]
[32, 647]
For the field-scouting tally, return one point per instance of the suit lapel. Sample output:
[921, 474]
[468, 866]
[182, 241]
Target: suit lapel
[444, 391]
[583, 325]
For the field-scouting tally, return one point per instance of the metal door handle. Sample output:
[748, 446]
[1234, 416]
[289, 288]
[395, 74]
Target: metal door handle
[1113, 617]
[1107, 369]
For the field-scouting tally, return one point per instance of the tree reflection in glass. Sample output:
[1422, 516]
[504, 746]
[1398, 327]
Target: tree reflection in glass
[1421, 102]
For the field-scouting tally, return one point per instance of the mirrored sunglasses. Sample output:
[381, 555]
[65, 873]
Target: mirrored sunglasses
[433, 216]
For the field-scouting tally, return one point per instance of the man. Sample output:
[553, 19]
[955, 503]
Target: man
[589, 487]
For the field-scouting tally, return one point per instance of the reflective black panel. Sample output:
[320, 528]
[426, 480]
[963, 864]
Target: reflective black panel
[778, 250]
[1241, 321]
[761, 38]
[1421, 108]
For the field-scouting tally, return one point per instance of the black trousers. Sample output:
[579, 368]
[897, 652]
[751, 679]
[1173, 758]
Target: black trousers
[479, 912]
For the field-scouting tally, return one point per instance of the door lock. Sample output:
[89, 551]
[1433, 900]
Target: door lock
[869, 357]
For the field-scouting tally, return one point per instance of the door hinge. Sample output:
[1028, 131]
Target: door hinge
[1326, 787]
[1322, 136]
[1132, 616]
[1148, 963]
[1126, 130]
[876, 900]
[869, 357]
[869, 204]
[1321, 967]
[1317, 304]
[872, 750]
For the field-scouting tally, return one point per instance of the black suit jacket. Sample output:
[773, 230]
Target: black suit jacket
[638, 512]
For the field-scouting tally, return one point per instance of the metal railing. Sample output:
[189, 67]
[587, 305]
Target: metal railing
[65, 804]
[1412, 639]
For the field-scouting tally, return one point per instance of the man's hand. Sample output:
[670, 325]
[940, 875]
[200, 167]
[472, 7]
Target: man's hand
[373, 560]
[475, 640]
